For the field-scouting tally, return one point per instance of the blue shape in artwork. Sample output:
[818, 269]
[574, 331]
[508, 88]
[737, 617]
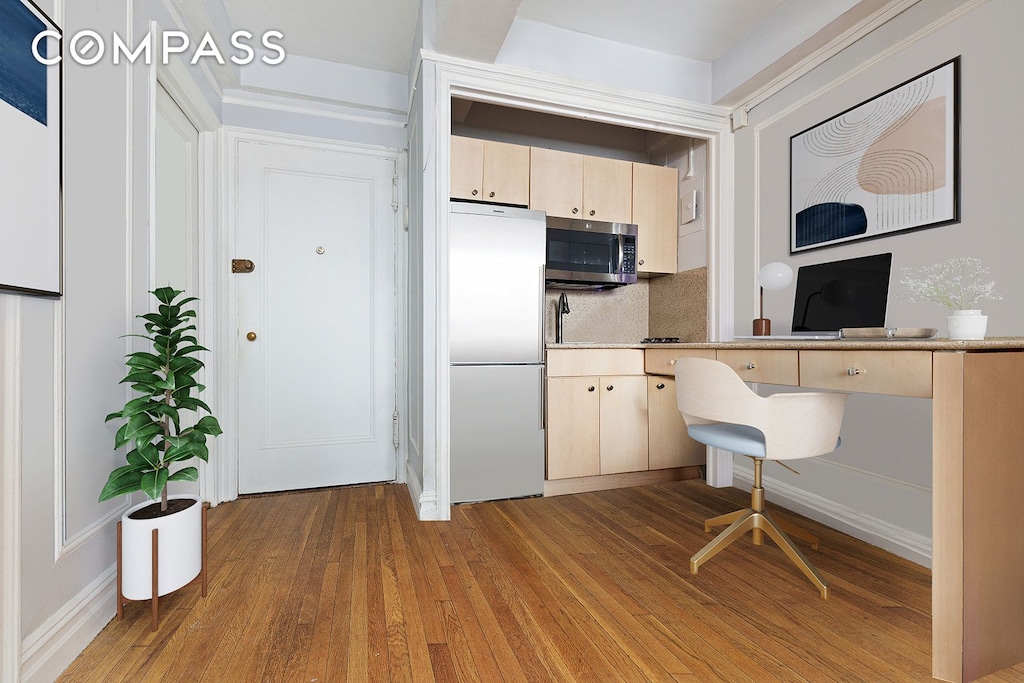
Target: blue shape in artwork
[22, 77]
[829, 221]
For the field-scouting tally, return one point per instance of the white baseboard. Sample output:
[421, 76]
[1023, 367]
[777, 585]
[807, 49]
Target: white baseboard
[50, 649]
[907, 544]
[425, 503]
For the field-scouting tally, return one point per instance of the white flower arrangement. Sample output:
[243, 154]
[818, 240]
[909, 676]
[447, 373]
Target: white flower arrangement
[954, 284]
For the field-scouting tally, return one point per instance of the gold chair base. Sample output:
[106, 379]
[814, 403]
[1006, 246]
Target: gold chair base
[759, 522]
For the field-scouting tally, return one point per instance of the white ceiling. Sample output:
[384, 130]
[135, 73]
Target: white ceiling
[697, 29]
[379, 34]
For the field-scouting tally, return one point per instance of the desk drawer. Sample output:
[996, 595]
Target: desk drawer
[662, 361]
[900, 373]
[763, 365]
[581, 362]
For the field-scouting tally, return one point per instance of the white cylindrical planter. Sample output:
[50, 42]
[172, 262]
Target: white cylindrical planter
[180, 552]
[967, 324]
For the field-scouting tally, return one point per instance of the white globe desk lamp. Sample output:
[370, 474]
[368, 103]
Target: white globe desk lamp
[773, 277]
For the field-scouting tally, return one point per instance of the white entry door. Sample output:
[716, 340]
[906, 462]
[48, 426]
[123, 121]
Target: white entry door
[316, 317]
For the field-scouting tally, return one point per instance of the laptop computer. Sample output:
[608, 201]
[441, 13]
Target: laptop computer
[838, 294]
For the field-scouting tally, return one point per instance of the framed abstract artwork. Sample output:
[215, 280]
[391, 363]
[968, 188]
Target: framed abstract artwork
[887, 165]
[30, 140]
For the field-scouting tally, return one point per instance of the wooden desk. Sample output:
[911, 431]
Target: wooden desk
[977, 392]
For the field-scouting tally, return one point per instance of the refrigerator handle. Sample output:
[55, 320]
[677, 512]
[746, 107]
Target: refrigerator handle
[543, 315]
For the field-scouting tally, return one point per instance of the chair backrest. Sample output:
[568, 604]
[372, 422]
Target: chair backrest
[794, 425]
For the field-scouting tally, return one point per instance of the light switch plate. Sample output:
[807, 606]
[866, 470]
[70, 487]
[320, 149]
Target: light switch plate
[688, 207]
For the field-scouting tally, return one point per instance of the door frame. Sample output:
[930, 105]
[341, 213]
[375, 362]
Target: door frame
[227, 292]
[175, 78]
[570, 98]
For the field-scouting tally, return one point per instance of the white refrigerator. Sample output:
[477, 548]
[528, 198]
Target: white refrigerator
[496, 334]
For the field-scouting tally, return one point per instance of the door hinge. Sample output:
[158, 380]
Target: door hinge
[394, 428]
[394, 193]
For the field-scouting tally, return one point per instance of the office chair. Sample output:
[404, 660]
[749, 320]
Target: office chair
[723, 412]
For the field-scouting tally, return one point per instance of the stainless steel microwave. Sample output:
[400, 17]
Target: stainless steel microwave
[590, 254]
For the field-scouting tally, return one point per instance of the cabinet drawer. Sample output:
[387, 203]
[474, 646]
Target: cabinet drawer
[900, 373]
[763, 365]
[662, 361]
[577, 362]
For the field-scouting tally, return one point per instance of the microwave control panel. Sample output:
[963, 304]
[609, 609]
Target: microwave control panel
[629, 258]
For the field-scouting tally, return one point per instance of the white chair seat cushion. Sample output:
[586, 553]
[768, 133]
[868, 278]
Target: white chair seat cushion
[741, 439]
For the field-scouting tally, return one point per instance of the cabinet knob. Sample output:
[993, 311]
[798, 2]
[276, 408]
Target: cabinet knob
[751, 366]
[251, 336]
[856, 371]
[476, 192]
[641, 262]
[591, 388]
[609, 387]
[491, 194]
[575, 210]
[661, 385]
[592, 212]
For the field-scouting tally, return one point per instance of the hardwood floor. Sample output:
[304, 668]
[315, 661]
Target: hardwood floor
[346, 585]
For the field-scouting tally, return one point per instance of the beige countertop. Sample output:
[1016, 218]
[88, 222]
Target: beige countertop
[933, 344]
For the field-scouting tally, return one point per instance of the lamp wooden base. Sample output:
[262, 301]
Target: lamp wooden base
[762, 327]
[155, 599]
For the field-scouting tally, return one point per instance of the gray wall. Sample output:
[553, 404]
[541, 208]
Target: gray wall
[880, 479]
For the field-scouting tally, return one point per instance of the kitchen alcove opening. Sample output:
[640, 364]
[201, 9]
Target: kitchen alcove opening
[678, 304]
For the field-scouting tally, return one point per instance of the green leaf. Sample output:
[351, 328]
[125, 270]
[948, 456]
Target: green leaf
[185, 474]
[153, 483]
[166, 295]
[141, 376]
[191, 349]
[208, 425]
[190, 403]
[123, 480]
[140, 360]
[141, 430]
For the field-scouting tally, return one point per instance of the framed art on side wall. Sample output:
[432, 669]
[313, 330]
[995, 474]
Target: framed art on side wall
[30, 137]
[886, 165]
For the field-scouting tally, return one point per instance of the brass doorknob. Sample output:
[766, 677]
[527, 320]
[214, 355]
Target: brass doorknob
[251, 336]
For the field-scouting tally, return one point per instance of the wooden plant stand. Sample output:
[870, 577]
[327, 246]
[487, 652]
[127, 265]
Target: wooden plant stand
[155, 600]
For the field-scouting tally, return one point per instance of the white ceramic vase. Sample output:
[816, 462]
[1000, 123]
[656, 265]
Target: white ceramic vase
[180, 550]
[968, 324]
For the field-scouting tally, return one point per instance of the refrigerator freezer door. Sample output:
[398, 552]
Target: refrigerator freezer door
[496, 285]
[497, 439]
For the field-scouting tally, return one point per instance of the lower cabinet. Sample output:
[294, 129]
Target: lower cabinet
[596, 425]
[670, 445]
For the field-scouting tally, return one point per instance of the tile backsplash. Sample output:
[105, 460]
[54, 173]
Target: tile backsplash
[667, 306]
[614, 316]
[679, 306]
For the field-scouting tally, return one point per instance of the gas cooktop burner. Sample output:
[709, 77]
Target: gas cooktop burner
[660, 340]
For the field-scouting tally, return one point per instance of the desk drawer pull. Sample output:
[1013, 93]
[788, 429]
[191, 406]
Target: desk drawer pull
[661, 385]
[751, 366]
[856, 371]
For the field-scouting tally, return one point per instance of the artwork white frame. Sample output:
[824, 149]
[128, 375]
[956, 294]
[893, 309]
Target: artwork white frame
[886, 165]
[31, 125]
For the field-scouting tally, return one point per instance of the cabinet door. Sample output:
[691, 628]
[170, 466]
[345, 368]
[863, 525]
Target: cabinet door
[506, 173]
[607, 189]
[670, 445]
[573, 427]
[556, 182]
[467, 164]
[656, 214]
[623, 423]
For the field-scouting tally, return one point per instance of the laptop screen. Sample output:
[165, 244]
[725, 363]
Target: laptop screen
[850, 293]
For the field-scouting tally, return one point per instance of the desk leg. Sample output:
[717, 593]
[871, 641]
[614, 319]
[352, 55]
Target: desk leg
[978, 528]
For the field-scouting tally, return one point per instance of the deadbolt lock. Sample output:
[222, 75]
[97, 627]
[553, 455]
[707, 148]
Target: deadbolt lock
[242, 265]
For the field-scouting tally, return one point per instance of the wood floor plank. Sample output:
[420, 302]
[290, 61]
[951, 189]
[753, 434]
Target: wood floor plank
[345, 584]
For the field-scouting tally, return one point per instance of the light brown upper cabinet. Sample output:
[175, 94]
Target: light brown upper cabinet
[485, 170]
[656, 214]
[575, 186]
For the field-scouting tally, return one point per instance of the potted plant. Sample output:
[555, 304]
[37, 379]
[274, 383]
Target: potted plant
[157, 439]
[956, 284]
